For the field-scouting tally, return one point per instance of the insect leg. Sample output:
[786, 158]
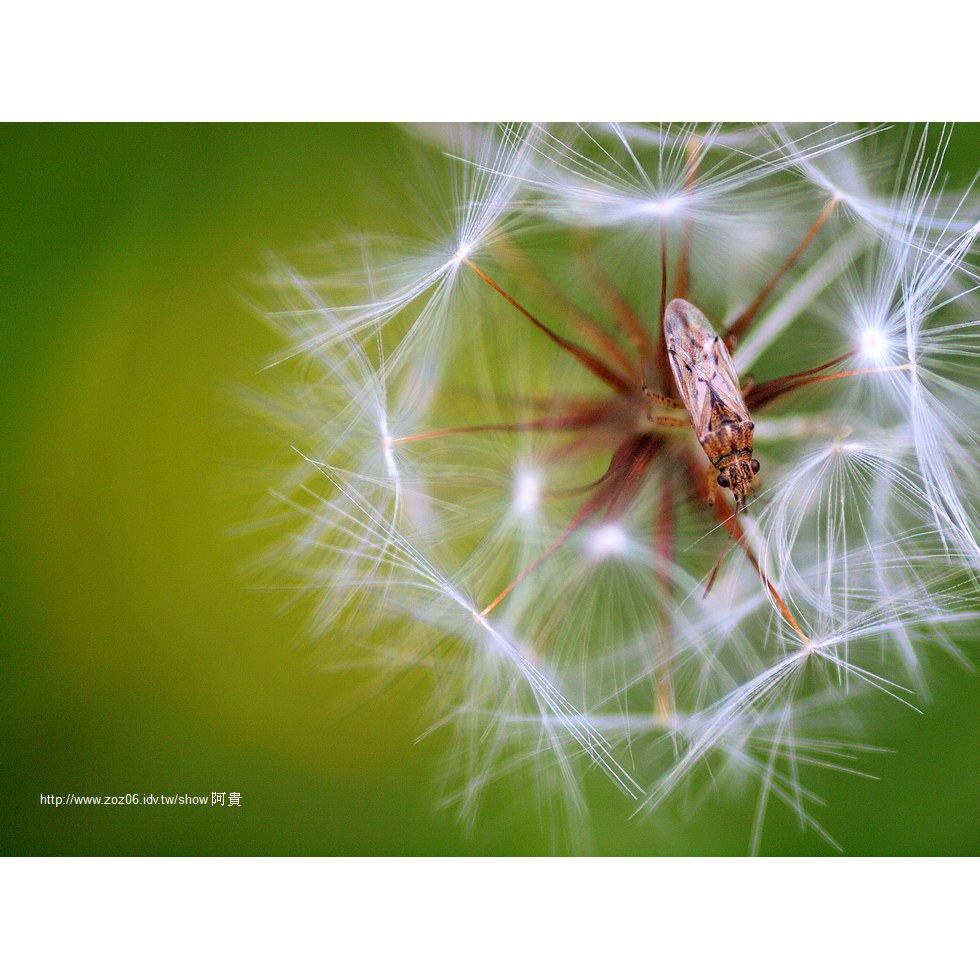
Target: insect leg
[655, 396]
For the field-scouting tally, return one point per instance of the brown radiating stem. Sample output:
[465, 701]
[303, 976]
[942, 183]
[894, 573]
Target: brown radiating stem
[761, 393]
[614, 489]
[565, 535]
[682, 282]
[616, 303]
[663, 277]
[739, 536]
[770, 390]
[662, 359]
[586, 358]
[586, 325]
[584, 419]
[738, 328]
[730, 519]
[637, 454]
[724, 551]
[584, 488]
[663, 541]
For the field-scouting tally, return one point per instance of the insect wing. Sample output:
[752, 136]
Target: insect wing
[685, 347]
[725, 384]
[702, 367]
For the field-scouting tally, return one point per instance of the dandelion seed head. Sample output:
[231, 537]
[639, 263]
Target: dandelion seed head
[448, 378]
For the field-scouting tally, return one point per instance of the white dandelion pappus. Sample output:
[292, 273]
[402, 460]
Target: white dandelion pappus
[501, 466]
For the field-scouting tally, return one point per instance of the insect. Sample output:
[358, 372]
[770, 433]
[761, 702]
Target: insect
[709, 388]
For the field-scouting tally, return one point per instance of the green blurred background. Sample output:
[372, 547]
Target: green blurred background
[135, 656]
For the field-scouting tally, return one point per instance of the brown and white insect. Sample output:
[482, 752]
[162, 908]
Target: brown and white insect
[708, 384]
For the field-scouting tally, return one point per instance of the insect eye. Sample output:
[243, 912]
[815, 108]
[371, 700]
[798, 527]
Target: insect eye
[755, 465]
[751, 425]
[724, 482]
